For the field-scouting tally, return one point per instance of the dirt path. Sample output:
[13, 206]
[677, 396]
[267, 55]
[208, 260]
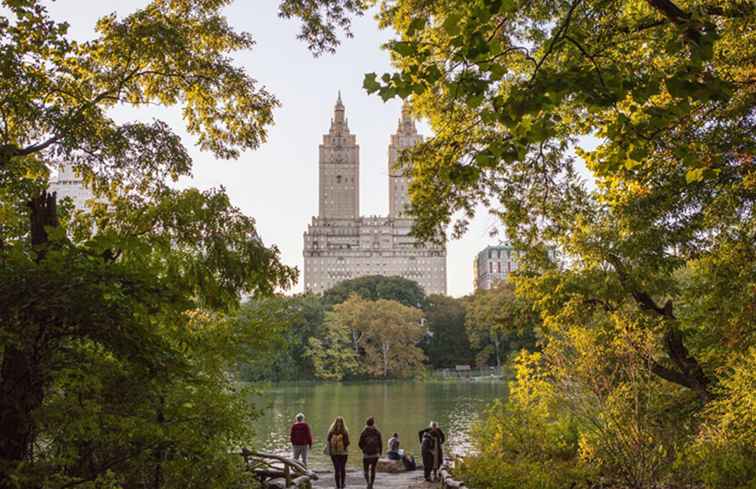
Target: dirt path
[355, 480]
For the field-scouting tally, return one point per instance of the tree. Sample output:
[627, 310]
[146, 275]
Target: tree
[448, 344]
[118, 362]
[374, 287]
[662, 229]
[510, 86]
[497, 322]
[337, 354]
[391, 332]
[295, 319]
[115, 354]
[378, 338]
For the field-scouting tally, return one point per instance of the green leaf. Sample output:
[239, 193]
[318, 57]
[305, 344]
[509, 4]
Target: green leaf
[370, 83]
[695, 175]
[451, 23]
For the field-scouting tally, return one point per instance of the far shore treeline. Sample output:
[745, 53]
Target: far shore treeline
[377, 327]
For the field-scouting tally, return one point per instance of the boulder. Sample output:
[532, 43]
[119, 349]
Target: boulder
[389, 466]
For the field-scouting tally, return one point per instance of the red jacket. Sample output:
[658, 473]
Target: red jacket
[300, 434]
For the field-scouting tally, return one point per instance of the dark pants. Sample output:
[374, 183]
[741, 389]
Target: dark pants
[368, 464]
[428, 464]
[339, 469]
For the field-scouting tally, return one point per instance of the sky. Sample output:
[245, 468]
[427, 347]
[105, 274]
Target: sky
[277, 183]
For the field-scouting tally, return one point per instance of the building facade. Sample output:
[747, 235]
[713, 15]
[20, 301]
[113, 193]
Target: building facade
[68, 184]
[339, 244]
[493, 264]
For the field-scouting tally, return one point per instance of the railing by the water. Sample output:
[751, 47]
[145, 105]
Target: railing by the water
[460, 372]
[279, 472]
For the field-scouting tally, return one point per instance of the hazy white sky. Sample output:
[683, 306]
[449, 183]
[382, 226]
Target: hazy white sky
[277, 184]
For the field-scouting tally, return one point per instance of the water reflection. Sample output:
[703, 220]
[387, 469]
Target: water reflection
[397, 407]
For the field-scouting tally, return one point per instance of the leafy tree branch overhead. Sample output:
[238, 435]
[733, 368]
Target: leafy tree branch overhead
[513, 89]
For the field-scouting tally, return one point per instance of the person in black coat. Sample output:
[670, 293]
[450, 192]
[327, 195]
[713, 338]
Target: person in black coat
[431, 449]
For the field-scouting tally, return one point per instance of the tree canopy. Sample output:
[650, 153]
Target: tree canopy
[374, 287]
[117, 355]
[448, 345]
[378, 338]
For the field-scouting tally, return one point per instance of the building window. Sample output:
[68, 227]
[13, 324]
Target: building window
[338, 178]
[498, 266]
[490, 266]
[489, 254]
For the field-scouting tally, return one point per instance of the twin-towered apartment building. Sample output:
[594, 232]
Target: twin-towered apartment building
[340, 244]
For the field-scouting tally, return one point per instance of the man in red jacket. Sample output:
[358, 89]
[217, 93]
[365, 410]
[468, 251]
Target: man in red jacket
[301, 439]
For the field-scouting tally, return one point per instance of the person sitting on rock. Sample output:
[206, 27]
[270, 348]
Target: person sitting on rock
[396, 453]
[393, 448]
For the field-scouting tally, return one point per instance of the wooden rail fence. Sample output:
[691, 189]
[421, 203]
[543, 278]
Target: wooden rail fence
[277, 472]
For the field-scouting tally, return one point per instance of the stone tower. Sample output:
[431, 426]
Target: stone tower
[406, 136]
[339, 170]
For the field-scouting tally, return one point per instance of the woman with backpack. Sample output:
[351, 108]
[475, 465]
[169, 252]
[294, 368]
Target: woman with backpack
[371, 444]
[337, 445]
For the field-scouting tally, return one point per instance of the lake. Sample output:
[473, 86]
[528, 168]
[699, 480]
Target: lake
[402, 407]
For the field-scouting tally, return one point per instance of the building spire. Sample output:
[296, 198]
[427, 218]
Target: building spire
[406, 122]
[338, 113]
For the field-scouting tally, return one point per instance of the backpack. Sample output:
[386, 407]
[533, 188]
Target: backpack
[429, 444]
[337, 442]
[372, 442]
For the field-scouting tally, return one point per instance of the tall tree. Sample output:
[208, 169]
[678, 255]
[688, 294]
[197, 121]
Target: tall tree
[378, 338]
[448, 344]
[391, 333]
[665, 87]
[117, 312]
[336, 355]
[497, 322]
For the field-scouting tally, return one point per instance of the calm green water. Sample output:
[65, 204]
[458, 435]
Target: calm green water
[405, 408]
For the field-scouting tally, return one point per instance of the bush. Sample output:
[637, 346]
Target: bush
[527, 441]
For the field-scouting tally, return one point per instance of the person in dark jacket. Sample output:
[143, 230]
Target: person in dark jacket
[427, 447]
[301, 439]
[371, 445]
[337, 445]
[435, 451]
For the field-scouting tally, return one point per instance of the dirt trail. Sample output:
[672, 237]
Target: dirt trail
[355, 480]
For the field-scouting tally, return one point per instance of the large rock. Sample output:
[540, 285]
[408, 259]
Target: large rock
[389, 466]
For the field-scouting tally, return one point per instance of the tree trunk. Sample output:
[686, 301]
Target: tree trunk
[688, 371]
[22, 377]
[21, 392]
[44, 213]
[385, 349]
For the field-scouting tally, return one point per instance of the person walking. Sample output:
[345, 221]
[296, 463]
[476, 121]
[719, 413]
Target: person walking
[301, 439]
[436, 454]
[371, 445]
[337, 445]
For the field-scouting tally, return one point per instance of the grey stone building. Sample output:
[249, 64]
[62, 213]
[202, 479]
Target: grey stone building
[339, 244]
[493, 264]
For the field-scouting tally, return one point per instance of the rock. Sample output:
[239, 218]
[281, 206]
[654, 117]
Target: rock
[389, 466]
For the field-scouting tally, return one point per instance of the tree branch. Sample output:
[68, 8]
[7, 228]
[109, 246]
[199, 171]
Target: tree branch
[678, 17]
